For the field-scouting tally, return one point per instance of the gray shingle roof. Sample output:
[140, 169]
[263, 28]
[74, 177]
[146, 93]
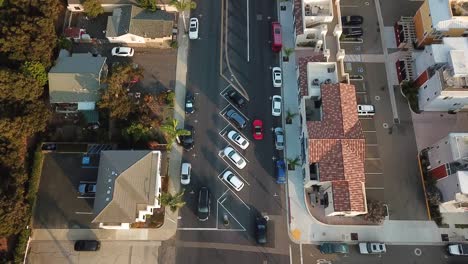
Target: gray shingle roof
[126, 181]
[76, 78]
[140, 22]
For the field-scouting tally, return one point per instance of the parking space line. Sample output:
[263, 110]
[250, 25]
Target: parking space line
[238, 174]
[222, 195]
[365, 118]
[84, 213]
[200, 228]
[221, 133]
[373, 173]
[369, 131]
[224, 90]
[224, 110]
[372, 158]
[374, 188]
[372, 145]
[233, 216]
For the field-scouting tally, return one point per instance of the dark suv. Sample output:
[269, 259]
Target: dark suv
[236, 118]
[261, 230]
[87, 245]
[203, 204]
[188, 141]
[236, 98]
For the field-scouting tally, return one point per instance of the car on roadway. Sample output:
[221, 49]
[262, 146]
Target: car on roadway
[236, 98]
[372, 248]
[233, 180]
[257, 129]
[277, 76]
[352, 32]
[276, 105]
[87, 188]
[261, 230]
[185, 173]
[189, 101]
[87, 245]
[203, 210]
[279, 138]
[331, 248]
[234, 157]
[458, 249]
[238, 139]
[236, 118]
[352, 20]
[193, 28]
[280, 171]
[366, 110]
[122, 52]
[188, 141]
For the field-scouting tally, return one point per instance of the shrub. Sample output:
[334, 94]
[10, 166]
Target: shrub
[20, 248]
[174, 44]
[36, 70]
[93, 8]
[64, 43]
[375, 211]
[170, 96]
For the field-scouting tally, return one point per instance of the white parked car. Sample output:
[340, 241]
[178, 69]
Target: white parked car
[279, 138]
[276, 105]
[277, 77]
[193, 29]
[185, 173]
[123, 52]
[372, 248]
[237, 138]
[235, 157]
[233, 180]
[366, 110]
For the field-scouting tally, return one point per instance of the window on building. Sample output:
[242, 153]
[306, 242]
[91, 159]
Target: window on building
[425, 86]
[77, 8]
[325, 200]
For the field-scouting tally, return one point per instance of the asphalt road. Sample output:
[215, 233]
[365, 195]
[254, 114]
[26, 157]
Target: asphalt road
[395, 254]
[250, 58]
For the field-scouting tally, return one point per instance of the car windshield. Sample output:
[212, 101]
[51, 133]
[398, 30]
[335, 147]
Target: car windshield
[258, 130]
[184, 176]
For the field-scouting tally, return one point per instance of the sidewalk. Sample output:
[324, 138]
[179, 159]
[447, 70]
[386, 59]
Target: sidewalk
[303, 228]
[169, 227]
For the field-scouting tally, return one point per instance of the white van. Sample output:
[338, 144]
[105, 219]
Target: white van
[366, 110]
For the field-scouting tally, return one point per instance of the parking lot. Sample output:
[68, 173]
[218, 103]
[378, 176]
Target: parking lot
[391, 166]
[59, 204]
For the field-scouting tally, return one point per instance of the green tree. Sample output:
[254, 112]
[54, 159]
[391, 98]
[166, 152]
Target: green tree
[292, 163]
[288, 51]
[64, 43]
[13, 214]
[182, 6]
[150, 5]
[19, 86]
[36, 70]
[23, 119]
[174, 202]
[136, 132]
[93, 8]
[172, 132]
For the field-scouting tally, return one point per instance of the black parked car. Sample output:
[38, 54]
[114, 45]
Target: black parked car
[236, 98]
[203, 204]
[352, 32]
[189, 103]
[352, 20]
[261, 230]
[87, 245]
[188, 141]
[236, 118]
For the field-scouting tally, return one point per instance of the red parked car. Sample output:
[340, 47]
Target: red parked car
[257, 129]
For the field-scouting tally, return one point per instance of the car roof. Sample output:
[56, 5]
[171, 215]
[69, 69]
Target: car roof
[185, 168]
[235, 180]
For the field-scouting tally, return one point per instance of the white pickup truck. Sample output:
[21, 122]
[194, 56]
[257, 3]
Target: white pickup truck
[372, 248]
[458, 249]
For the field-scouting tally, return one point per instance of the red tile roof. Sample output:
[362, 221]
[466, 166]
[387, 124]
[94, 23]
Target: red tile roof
[303, 85]
[298, 22]
[337, 144]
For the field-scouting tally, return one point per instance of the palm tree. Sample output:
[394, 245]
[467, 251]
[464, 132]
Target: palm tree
[174, 202]
[289, 116]
[182, 6]
[292, 163]
[172, 132]
[287, 53]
